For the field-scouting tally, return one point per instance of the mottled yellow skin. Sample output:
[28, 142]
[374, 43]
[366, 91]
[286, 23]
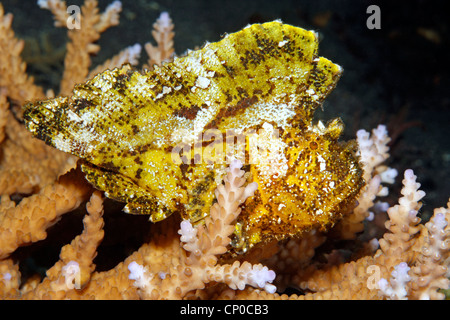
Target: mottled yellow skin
[132, 130]
[320, 185]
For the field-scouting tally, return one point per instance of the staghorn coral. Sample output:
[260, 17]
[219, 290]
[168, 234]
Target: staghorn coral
[163, 36]
[74, 269]
[203, 244]
[82, 44]
[179, 260]
[15, 83]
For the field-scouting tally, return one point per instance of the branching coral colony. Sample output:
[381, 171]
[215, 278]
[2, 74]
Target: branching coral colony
[205, 260]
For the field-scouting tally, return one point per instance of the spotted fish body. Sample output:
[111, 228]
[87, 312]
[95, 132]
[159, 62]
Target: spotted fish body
[132, 128]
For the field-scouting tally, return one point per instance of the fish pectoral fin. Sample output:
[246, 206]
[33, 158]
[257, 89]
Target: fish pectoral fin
[121, 188]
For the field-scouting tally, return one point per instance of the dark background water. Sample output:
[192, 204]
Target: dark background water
[397, 75]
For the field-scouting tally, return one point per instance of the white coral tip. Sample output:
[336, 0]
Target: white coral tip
[389, 175]
[439, 221]
[71, 268]
[380, 132]
[235, 164]
[262, 276]
[43, 4]
[115, 6]
[136, 271]
[270, 288]
[187, 231]
[164, 19]
[409, 175]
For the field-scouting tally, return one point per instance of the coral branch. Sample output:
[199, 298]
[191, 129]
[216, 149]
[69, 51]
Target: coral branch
[432, 271]
[26, 222]
[403, 222]
[83, 34]
[163, 35]
[59, 10]
[14, 82]
[9, 279]
[396, 287]
[110, 17]
[203, 243]
[373, 150]
[73, 270]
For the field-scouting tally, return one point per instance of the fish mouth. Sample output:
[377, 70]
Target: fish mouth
[44, 118]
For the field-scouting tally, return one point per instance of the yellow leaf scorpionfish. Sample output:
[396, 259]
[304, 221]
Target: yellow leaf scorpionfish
[160, 140]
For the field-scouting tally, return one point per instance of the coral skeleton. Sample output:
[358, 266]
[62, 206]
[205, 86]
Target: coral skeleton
[181, 259]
